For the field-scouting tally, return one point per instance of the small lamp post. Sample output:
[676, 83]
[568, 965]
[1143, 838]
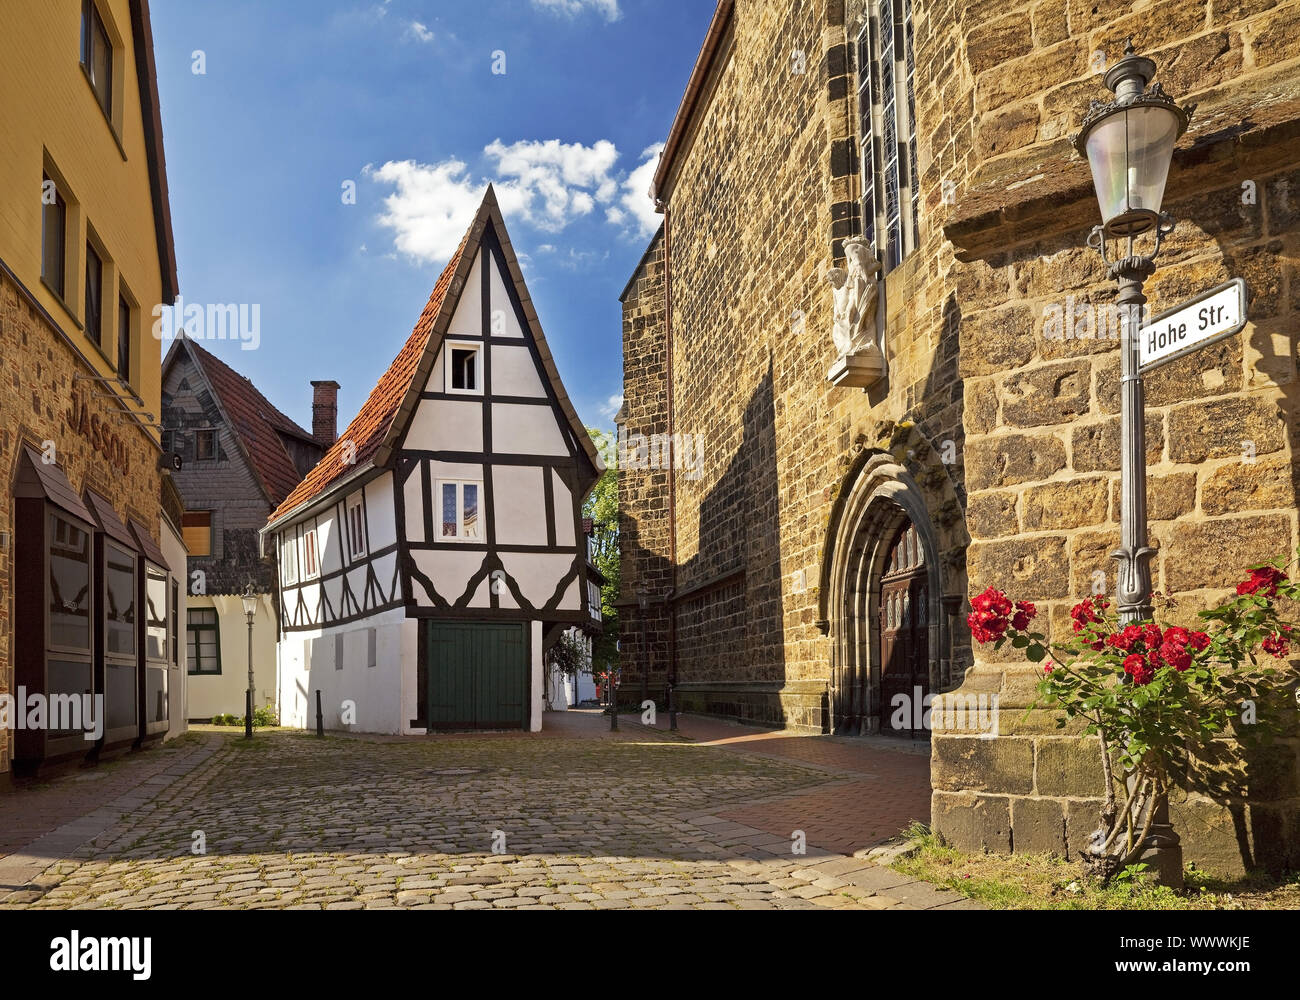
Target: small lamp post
[643, 602]
[250, 609]
[1129, 144]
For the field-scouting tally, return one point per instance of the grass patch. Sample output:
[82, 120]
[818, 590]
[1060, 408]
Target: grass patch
[1046, 882]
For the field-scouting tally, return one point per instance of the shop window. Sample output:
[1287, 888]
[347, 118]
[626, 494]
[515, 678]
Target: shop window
[196, 530]
[119, 602]
[202, 642]
[176, 623]
[69, 669]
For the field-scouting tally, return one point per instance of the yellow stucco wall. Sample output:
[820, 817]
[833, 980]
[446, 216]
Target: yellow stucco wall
[53, 120]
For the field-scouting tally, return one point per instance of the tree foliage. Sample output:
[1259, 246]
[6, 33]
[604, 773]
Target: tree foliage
[602, 507]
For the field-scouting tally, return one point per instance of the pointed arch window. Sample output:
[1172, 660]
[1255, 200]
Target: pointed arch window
[887, 130]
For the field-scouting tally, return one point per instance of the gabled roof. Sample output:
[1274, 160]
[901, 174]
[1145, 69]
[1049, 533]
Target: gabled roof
[254, 421]
[378, 427]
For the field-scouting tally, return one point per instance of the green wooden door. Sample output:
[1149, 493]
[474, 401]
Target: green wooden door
[478, 675]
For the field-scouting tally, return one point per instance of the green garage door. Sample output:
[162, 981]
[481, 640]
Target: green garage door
[478, 675]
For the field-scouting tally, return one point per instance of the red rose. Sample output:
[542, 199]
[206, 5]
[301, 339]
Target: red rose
[1175, 655]
[1262, 581]
[1151, 636]
[1048, 667]
[1133, 663]
[1276, 645]
[989, 619]
[1025, 613]
[1178, 636]
[1143, 675]
[1125, 638]
[1198, 640]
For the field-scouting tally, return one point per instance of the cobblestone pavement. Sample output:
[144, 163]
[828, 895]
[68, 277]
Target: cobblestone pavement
[586, 820]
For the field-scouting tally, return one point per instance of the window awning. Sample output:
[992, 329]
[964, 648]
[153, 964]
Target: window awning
[40, 480]
[108, 521]
[146, 544]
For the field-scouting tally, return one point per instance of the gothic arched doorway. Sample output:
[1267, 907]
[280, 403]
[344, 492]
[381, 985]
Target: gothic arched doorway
[904, 634]
[882, 597]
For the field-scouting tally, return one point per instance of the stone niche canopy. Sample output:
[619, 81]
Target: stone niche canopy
[856, 290]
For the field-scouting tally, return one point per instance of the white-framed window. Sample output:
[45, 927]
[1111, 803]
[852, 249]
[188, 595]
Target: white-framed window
[356, 525]
[289, 559]
[458, 506]
[310, 555]
[886, 64]
[464, 368]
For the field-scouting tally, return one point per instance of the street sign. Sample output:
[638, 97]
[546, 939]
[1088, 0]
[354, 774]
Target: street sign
[1206, 319]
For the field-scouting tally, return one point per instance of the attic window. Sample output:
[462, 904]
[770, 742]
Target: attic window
[463, 368]
[205, 446]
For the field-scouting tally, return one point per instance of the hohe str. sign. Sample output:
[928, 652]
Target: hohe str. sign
[1204, 320]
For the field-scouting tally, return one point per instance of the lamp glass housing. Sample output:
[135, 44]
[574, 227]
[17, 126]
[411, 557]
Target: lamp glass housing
[1129, 153]
[250, 602]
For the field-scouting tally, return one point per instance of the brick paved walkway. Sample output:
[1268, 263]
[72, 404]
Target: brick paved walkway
[586, 819]
[885, 782]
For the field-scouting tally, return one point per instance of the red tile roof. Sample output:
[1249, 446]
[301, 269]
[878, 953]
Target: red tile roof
[255, 422]
[371, 424]
[375, 431]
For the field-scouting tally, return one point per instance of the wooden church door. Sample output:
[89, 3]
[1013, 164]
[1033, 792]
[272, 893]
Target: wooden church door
[904, 633]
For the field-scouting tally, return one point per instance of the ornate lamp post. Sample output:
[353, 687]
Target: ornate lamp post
[1129, 144]
[250, 609]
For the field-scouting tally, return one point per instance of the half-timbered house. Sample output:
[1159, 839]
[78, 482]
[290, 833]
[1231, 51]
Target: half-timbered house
[434, 553]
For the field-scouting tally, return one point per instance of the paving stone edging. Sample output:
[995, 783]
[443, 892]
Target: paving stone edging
[21, 870]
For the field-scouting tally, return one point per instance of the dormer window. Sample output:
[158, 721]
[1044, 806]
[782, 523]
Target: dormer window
[463, 368]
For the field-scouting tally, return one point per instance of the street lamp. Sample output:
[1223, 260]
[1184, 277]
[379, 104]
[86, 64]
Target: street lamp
[250, 608]
[1129, 144]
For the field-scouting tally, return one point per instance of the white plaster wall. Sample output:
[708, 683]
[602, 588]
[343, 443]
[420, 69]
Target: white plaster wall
[524, 429]
[514, 373]
[219, 694]
[447, 425]
[378, 694]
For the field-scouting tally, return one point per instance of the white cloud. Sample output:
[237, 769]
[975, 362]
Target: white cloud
[636, 195]
[419, 32]
[611, 406]
[547, 184]
[430, 208]
[608, 9]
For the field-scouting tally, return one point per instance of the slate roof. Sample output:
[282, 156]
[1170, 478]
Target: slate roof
[255, 422]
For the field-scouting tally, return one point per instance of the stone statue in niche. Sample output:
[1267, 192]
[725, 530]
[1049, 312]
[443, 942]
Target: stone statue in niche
[856, 295]
[855, 298]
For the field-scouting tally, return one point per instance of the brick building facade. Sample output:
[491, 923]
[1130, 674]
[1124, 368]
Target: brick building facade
[988, 439]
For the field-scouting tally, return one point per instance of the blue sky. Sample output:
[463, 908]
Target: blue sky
[299, 97]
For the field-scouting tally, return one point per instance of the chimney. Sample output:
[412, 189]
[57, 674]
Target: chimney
[325, 412]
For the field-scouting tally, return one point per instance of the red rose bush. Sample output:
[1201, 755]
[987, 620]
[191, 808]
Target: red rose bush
[1150, 692]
